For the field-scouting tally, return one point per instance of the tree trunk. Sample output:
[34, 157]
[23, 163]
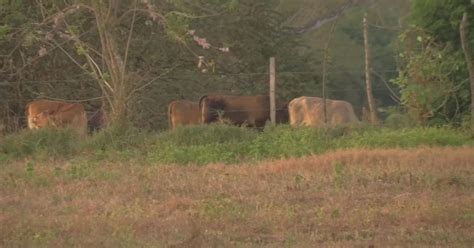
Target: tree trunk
[119, 85]
[467, 54]
[325, 60]
[368, 84]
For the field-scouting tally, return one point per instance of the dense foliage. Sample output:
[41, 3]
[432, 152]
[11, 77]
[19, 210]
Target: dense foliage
[433, 74]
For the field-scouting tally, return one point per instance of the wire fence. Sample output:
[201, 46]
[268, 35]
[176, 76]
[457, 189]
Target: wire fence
[315, 72]
[385, 87]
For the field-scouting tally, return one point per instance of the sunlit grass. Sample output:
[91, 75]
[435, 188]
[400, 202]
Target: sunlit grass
[361, 197]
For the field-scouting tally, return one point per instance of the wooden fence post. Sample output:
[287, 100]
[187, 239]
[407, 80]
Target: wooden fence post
[272, 90]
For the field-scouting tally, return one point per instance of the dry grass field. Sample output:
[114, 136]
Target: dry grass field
[362, 198]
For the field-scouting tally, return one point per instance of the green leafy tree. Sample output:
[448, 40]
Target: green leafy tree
[433, 76]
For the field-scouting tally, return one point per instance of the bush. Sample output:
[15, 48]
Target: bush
[398, 118]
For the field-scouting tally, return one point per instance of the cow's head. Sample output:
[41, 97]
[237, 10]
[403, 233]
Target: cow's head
[282, 113]
[43, 119]
[211, 108]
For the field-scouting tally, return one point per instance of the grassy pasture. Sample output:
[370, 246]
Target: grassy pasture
[355, 197]
[221, 186]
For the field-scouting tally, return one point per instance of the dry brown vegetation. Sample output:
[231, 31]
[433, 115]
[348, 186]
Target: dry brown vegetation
[393, 197]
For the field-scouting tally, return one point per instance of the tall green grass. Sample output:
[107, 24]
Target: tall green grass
[217, 143]
[210, 144]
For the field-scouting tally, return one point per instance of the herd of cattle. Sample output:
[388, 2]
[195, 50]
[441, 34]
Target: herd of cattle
[252, 111]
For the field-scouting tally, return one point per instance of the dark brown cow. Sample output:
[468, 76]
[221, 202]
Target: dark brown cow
[253, 111]
[45, 113]
[282, 115]
[183, 112]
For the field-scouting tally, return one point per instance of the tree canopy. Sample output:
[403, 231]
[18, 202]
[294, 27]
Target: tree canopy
[433, 75]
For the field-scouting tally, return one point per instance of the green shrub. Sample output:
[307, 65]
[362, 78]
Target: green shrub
[397, 117]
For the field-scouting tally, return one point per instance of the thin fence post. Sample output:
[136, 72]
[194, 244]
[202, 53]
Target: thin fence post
[272, 90]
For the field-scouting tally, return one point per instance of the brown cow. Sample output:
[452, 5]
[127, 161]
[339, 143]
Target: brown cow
[45, 113]
[309, 111]
[252, 111]
[183, 112]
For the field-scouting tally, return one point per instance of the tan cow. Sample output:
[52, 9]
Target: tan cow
[309, 111]
[183, 112]
[35, 107]
[56, 114]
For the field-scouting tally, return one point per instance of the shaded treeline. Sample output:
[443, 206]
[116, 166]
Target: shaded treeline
[134, 57]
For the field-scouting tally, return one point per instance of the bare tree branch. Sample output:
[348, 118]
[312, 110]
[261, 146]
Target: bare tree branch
[127, 46]
[151, 81]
